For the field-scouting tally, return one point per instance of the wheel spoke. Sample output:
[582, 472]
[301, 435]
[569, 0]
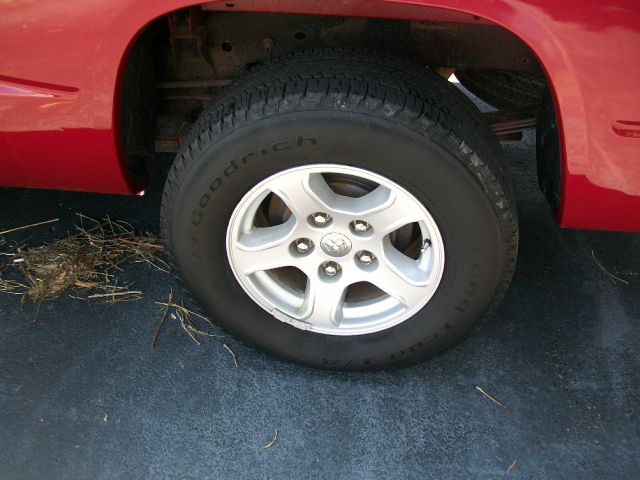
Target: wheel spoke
[265, 248]
[387, 210]
[303, 193]
[323, 303]
[399, 276]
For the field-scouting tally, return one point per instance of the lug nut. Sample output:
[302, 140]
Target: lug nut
[303, 245]
[321, 219]
[365, 257]
[360, 226]
[330, 269]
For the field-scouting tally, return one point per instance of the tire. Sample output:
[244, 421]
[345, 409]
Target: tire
[394, 122]
[503, 89]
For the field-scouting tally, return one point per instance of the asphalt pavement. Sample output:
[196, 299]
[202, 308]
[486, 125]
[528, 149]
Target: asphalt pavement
[82, 394]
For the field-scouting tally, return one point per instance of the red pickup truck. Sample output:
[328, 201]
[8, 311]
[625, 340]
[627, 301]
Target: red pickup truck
[334, 199]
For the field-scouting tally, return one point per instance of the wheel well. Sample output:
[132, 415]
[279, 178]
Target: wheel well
[180, 62]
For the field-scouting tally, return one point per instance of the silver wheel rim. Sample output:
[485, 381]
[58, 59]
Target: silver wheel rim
[357, 281]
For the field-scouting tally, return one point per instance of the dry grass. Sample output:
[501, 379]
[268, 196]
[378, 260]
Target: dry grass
[232, 353]
[24, 227]
[500, 404]
[273, 441]
[613, 278]
[177, 311]
[84, 265]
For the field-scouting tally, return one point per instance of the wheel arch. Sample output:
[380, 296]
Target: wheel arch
[524, 22]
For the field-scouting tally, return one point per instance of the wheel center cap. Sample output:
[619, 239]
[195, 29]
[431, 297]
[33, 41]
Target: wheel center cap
[335, 244]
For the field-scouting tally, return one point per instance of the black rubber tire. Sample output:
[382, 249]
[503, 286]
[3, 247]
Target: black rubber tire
[393, 118]
[503, 89]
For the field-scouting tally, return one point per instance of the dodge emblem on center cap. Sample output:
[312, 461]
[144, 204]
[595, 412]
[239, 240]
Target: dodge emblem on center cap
[335, 244]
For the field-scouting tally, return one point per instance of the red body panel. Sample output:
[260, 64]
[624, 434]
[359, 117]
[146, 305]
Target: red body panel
[61, 63]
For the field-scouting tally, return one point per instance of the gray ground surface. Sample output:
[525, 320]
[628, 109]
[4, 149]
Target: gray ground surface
[561, 353]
